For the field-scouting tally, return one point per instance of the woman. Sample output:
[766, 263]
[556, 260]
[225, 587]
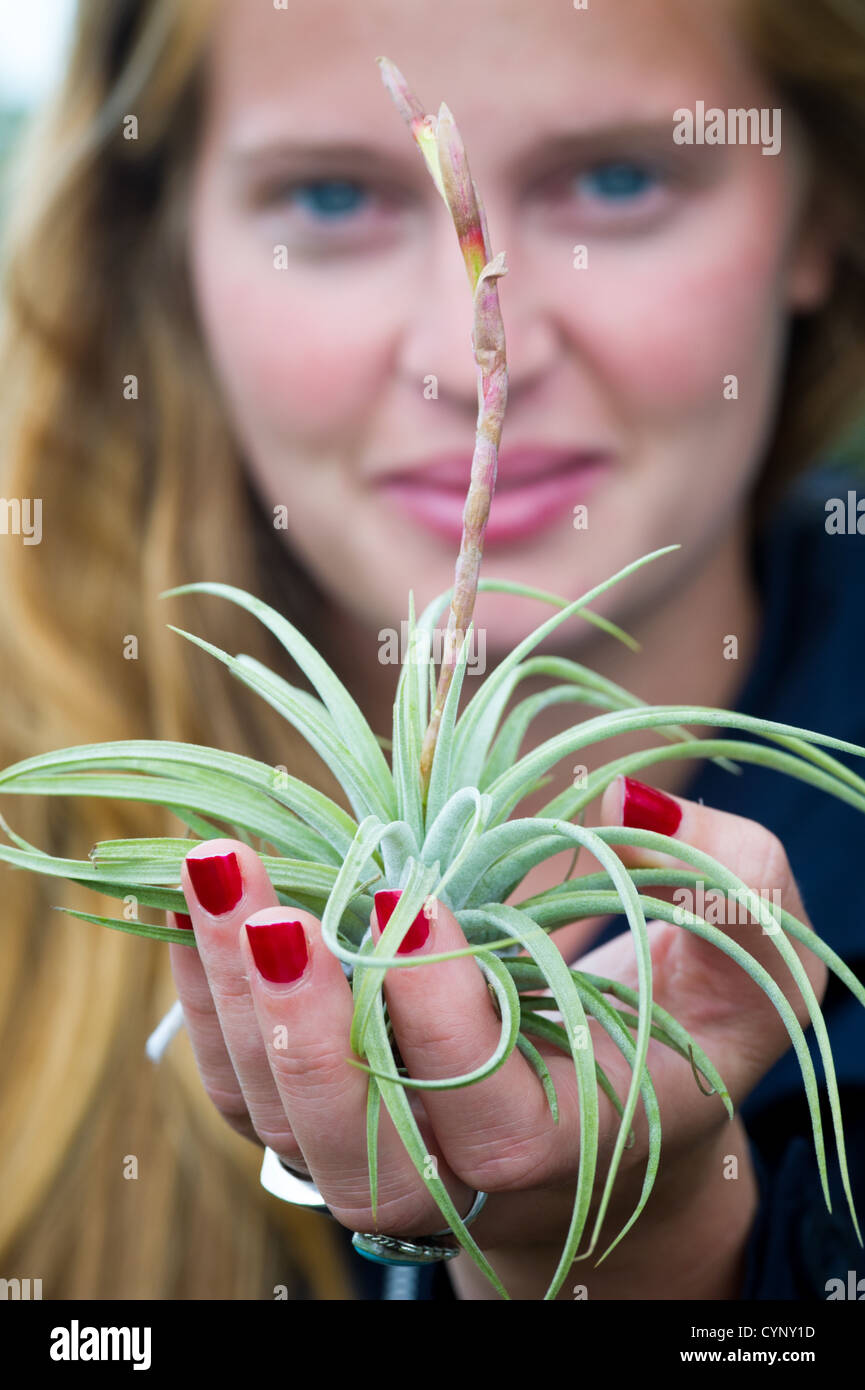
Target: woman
[226, 319]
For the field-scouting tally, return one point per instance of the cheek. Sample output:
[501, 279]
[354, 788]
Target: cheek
[673, 323]
[295, 360]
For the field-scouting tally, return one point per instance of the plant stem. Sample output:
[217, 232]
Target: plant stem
[441, 145]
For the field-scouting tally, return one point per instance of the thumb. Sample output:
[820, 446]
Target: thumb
[745, 847]
[700, 984]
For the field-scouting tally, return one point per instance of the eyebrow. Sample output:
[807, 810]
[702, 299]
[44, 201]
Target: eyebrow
[548, 151]
[653, 139]
[330, 151]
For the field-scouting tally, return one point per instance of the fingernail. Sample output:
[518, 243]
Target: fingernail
[416, 936]
[183, 920]
[279, 950]
[645, 808]
[217, 881]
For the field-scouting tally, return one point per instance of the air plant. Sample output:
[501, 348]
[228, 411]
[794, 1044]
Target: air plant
[437, 822]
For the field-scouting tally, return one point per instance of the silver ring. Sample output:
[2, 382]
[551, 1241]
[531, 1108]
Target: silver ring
[394, 1250]
[283, 1182]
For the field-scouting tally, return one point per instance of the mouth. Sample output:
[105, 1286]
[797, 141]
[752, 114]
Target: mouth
[535, 488]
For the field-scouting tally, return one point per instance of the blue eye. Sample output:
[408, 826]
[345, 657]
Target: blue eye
[618, 180]
[330, 198]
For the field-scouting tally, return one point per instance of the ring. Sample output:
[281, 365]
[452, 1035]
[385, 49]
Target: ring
[283, 1182]
[393, 1250]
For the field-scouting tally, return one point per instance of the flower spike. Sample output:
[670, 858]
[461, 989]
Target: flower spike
[441, 144]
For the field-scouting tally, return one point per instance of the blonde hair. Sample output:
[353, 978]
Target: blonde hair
[140, 495]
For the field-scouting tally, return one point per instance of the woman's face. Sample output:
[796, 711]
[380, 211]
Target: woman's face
[345, 359]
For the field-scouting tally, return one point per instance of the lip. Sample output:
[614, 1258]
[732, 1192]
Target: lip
[534, 488]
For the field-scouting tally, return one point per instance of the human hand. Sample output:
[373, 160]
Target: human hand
[308, 1103]
[689, 1239]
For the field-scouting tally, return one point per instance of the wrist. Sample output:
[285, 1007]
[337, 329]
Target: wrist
[689, 1241]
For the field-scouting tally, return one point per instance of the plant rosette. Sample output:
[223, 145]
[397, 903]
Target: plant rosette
[437, 821]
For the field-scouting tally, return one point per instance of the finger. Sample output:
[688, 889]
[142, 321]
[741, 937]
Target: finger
[205, 1033]
[223, 881]
[304, 1005]
[493, 1132]
[744, 846]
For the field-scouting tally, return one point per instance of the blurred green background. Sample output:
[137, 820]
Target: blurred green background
[11, 122]
[34, 36]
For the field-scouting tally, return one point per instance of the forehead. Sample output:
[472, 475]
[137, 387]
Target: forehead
[501, 65]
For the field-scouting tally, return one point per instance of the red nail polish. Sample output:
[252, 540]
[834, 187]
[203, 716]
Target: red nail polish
[183, 920]
[416, 936]
[279, 950]
[646, 808]
[216, 880]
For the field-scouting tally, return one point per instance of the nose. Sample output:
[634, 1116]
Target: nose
[437, 327]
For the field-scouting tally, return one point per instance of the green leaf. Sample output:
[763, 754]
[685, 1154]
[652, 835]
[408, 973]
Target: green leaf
[373, 1108]
[476, 727]
[666, 911]
[665, 1028]
[414, 893]
[343, 708]
[510, 788]
[440, 773]
[530, 1052]
[236, 804]
[509, 1007]
[445, 833]
[181, 936]
[564, 991]
[574, 799]
[379, 1054]
[637, 922]
[316, 726]
[398, 845]
[554, 1033]
[585, 687]
[196, 763]
[406, 739]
